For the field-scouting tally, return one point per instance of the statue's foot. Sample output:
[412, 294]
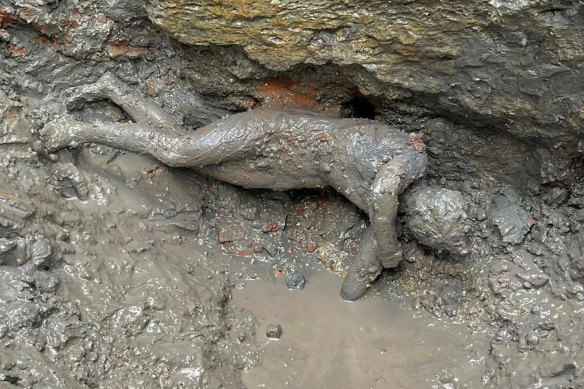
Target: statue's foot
[353, 287]
[363, 270]
[59, 133]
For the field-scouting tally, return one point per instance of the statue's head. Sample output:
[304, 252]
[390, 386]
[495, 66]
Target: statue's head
[438, 218]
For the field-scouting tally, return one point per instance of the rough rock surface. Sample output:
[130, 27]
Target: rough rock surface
[515, 64]
[512, 220]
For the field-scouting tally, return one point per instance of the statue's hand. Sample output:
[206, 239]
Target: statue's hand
[59, 133]
[390, 259]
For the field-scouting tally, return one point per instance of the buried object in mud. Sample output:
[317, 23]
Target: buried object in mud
[510, 218]
[295, 280]
[274, 331]
[274, 148]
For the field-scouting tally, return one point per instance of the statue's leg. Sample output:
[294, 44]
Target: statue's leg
[379, 247]
[217, 142]
[141, 110]
[65, 131]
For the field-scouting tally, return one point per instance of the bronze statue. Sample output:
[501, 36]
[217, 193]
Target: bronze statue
[370, 163]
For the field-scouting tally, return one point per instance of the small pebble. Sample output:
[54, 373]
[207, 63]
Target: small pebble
[295, 280]
[274, 331]
[532, 338]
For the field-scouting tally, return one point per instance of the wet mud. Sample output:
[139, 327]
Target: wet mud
[274, 148]
[118, 270]
[112, 296]
[372, 343]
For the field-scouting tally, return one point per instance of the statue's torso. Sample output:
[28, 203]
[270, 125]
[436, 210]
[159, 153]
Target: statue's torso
[295, 149]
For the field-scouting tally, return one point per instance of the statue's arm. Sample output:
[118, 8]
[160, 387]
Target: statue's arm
[390, 181]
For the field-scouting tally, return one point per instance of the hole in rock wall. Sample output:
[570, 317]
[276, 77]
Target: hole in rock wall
[359, 106]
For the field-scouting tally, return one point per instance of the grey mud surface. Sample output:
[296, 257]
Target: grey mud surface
[118, 271]
[374, 343]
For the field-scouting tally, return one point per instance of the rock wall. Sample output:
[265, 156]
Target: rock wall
[516, 65]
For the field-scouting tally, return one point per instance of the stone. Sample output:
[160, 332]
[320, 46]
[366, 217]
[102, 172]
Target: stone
[295, 280]
[511, 64]
[225, 233]
[510, 218]
[556, 196]
[452, 297]
[3, 329]
[274, 331]
[531, 338]
[39, 249]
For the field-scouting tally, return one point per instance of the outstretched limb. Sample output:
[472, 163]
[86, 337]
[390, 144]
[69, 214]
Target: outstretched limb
[220, 141]
[66, 131]
[391, 180]
[379, 246]
[109, 87]
[363, 270]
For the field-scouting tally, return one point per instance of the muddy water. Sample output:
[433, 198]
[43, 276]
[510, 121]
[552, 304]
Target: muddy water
[371, 343]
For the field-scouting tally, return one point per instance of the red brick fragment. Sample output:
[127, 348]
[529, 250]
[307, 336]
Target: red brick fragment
[7, 19]
[16, 51]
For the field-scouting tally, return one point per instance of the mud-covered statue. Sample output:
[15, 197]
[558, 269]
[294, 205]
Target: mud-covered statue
[274, 148]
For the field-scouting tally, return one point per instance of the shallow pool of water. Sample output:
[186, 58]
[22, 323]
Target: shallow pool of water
[372, 343]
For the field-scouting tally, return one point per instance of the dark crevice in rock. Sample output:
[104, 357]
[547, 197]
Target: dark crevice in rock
[359, 107]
